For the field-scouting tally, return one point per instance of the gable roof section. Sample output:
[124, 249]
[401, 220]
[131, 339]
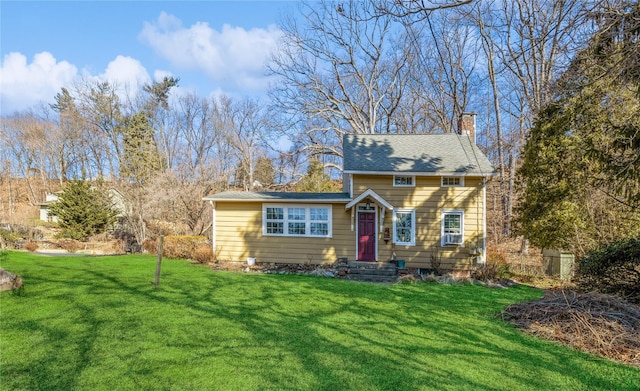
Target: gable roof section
[275, 196]
[372, 194]
[419, 154]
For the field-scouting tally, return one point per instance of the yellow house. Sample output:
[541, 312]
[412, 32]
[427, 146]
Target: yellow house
[416, 198]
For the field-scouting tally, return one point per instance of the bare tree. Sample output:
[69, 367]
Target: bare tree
[245, 129]
[539, 38]
[417, 9]
[338, 71]
[27, 137]
[100, 106]
[447, 57]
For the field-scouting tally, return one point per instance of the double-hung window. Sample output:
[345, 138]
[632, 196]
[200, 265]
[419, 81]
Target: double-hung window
[319, 224]
[452, 228]
[404, 227]
[296, 221]
[307, 220]
[274, 221]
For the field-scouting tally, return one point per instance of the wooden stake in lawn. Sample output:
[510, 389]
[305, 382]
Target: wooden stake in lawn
[159, 264]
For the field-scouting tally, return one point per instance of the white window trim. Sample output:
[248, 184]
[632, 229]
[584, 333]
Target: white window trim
[307, 220]
[413, 227]
[413, 180]
[446, 185]
[442, 234]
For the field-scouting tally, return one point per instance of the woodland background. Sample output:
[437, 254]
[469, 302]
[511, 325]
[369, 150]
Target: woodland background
[555, 85]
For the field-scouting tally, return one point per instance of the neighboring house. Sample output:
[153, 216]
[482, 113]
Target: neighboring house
[415, 198]
[44, 207]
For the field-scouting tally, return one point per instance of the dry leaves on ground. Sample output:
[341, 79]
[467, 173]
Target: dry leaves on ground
[600, 324]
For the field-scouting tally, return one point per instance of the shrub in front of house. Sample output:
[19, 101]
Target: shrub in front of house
[182, 246]
[150, 246]
[8, 239]
[203, 254]
[495, 267]
[70, 245]
[30, 246]
[613, 269]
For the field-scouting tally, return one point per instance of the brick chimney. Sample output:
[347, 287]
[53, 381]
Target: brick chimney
[467, 125]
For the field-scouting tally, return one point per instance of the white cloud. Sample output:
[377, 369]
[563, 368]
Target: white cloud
[233, 57]
[24, 85]
[126, 72]
[158, 75]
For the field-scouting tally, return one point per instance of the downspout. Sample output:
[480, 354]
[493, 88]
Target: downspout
[213, 230]
[483, 258]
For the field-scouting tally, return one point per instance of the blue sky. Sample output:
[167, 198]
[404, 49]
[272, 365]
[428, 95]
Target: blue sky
[214, 47]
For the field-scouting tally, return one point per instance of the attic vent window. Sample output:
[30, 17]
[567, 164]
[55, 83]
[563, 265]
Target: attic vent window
[403, 181]
[452, 181]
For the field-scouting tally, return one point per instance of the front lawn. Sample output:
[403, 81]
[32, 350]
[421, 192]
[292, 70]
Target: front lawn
[97, 323]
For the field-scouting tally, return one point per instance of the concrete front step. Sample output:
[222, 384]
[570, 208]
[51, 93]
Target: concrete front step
[370, 278]
[371, 265]
[371, 271]
[375, 272]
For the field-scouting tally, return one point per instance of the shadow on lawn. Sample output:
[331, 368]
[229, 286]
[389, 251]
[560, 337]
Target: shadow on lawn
[290, 332]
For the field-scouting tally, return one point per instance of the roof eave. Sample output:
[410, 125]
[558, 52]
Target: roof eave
[422, 173]
[287, 200]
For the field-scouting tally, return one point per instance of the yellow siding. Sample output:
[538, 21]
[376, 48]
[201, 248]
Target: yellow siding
[239, 227]
[239, 236]
[429, 199]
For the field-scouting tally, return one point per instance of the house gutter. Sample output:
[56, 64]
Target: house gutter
[420, 173]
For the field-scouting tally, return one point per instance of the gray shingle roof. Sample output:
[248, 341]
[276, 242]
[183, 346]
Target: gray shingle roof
[426, 154]
[278, 196]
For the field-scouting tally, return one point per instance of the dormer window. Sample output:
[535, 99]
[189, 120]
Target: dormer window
[452, 181]
[404, 181]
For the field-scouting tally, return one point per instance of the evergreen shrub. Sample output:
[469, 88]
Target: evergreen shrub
[612, 269]
[83, 210]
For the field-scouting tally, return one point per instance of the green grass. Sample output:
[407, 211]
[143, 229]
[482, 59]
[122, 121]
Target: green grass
[97, 323]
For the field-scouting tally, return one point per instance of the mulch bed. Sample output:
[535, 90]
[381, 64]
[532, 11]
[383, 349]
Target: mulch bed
[599, 324]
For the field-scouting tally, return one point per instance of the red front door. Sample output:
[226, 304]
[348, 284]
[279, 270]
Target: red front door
[366, 236]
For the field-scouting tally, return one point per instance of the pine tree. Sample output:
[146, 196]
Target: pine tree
[315, 180]
[83, 210]
[141, 159]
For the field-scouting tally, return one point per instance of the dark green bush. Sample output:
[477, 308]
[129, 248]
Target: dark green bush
[613, 269]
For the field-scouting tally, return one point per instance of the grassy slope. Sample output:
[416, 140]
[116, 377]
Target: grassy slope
[98, 323]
